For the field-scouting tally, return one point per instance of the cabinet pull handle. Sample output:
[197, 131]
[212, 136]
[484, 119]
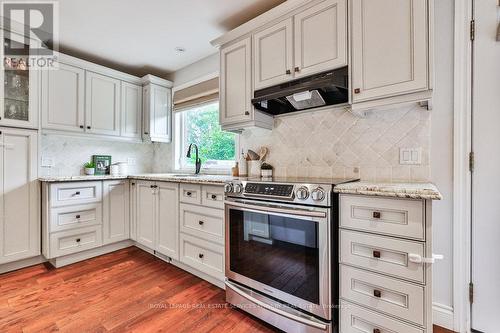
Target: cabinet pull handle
[78, 216]
[201, 222]
[81, 126]
[78, 240]
[133, 184]
[357, 90]
[200, 255]
[146, 133]
[376, 215]
[377, 293]
[88, 127]
[247, 113]
[214, 197]
[376, 254]
[288, 72]
[77, 193]
[297, 69]
[376, 330]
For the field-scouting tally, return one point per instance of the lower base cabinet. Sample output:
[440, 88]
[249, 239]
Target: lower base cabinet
[116, 211]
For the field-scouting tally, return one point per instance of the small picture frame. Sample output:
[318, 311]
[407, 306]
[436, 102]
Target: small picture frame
[102, 164]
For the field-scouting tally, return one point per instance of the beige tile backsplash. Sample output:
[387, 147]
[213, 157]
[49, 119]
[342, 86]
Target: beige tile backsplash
[337, 143]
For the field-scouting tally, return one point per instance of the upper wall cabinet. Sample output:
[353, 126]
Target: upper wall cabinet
[19, 106]
[63, 98]
[131, 115]
[273, 54]
[157, 105]
[102, 107]
[320, 38]
[390, 41]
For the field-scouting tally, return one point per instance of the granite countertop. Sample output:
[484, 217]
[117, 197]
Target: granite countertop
[168, 177]
[427, 191]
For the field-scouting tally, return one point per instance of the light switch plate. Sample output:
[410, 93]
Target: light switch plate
[411, 156]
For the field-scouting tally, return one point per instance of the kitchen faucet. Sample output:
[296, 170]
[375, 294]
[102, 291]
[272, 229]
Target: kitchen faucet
[197, 159]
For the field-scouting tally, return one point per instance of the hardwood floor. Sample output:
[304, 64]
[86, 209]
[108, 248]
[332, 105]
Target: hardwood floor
[125, 291]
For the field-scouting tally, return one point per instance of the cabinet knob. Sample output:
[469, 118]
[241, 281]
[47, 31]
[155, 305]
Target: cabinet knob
[214, 197]
[201, 222]
[297, 69]
[357, 90]
[88, 127]
[133, 184]
[200, 255]
[376, 254]
[78, 240]
[288, 72]
[146, 133]
[78, 216]
[377, 293]
[376, 215]
[247, 113]
[189, 194]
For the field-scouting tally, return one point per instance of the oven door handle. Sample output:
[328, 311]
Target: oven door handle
[275, 209]
[286, 314]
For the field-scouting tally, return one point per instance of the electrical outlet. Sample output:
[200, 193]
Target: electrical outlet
[131, 161]
[47, 162]
[412, 156]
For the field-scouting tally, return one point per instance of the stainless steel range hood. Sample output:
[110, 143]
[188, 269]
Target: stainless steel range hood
[314, 91]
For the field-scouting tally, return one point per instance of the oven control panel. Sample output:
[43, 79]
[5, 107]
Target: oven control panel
[272, 190]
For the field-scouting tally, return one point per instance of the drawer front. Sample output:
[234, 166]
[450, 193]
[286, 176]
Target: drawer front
[212, 196]
[190, 194]
[394, 217]
[71, 217]
[356, 319]
[77, 193]
[202, 255]
[73, 241]
[202, 222]
[391, 296]
[381, 254]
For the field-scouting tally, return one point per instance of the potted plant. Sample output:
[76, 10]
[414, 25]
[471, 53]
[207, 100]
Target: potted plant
[89, 168]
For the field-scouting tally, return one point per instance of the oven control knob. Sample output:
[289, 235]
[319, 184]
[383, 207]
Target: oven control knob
[238, 188]
[318, 194]
[302, 193]
[228, 188]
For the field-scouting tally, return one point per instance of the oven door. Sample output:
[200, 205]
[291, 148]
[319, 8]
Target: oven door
[282, 251]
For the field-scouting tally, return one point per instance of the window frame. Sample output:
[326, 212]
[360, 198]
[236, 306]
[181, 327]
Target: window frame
[181, 145]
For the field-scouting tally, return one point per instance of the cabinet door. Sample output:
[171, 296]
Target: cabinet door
[167, 196]
[63, 100]
[131, 114]
[160, 113]
[389, 48]
[321, 38]
[102, 108]
[19, 96]
[19, 204]
[145, 214]
[116, 211]
[273, 52]
[236, 83]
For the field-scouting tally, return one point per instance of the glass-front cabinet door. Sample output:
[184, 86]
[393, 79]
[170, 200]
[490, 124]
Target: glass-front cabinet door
[19, 94]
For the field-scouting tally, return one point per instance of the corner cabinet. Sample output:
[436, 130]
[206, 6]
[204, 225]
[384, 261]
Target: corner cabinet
[236, 109]
[390, 48]
[19, 193]
[157, 106]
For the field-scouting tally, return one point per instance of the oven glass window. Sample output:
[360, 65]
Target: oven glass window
[280, 252]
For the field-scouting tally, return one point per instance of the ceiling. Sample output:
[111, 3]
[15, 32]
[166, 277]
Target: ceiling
[140, 36]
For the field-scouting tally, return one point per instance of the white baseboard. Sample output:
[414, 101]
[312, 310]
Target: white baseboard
[13, 266]
[442, 315]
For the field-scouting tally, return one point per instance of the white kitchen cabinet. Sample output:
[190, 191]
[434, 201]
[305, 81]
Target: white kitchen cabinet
[320, 38]
[116, 225]
[63, 98]
[131, 115]
[273, 54]
[145, 213]
[157, 106]
[19, 96]
[167, 201]
[102, 104]
[19, 205]
[390, 48]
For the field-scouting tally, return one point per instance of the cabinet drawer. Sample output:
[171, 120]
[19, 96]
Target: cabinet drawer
[202, 222]
[71, 217]
[202, 255]
[212, 196]
[395, 217]
[381, 254]
[356, 319]
[73, 241]
[78, 193]
[391, 296]
[190, 194]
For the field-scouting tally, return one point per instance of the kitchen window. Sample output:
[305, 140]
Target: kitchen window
[199, 124]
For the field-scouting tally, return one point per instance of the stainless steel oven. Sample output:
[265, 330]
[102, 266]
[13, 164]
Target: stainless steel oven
[278, 252]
